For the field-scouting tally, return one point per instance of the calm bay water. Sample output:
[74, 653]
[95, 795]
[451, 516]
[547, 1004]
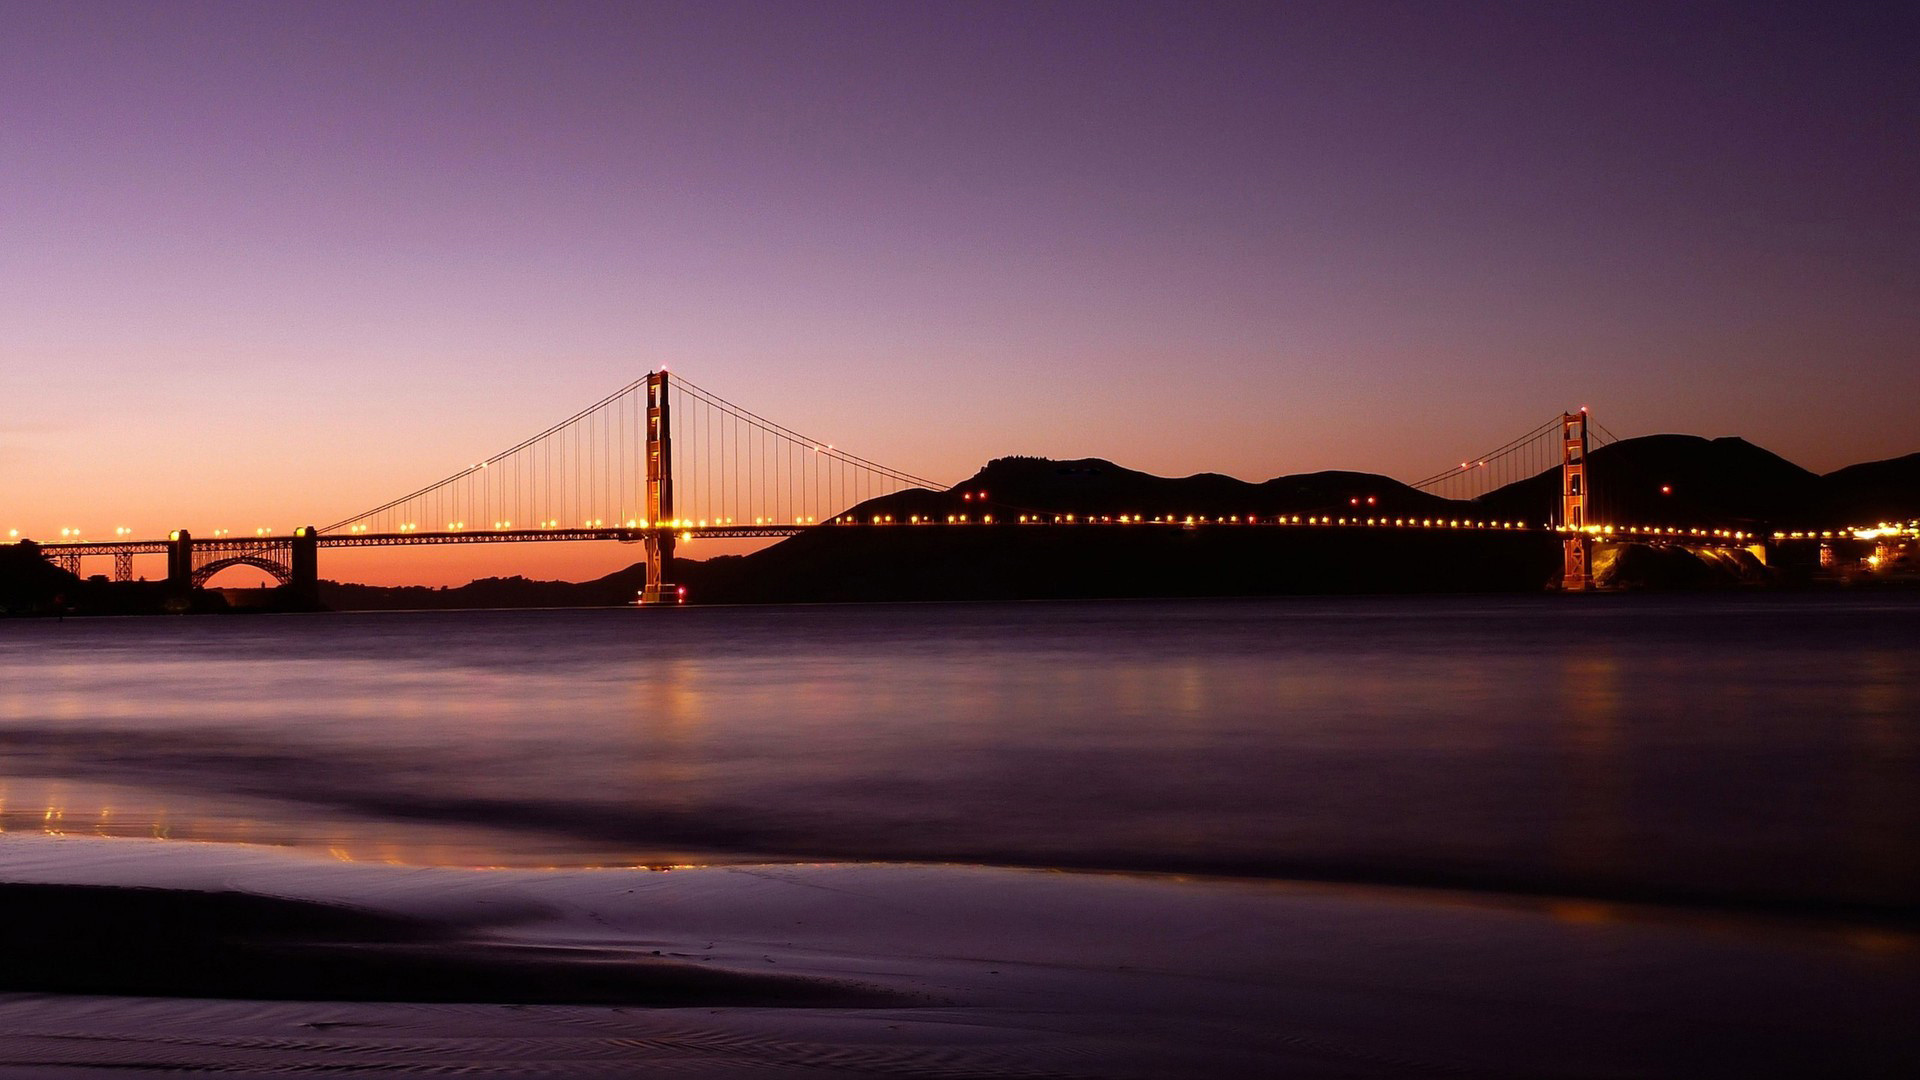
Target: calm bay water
[1748, 749]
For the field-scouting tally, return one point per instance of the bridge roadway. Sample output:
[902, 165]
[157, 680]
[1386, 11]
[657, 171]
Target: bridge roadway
[227, 549]
[238, 545]
[243, 544]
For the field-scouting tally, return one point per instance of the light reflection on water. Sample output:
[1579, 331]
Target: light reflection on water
[1722, 748]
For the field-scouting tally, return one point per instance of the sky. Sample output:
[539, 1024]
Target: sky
[266, 265]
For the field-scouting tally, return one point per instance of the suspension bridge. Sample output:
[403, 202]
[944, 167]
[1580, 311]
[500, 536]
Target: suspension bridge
[662, 461]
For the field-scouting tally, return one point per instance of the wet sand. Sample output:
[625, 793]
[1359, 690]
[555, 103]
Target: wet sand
[150, 958]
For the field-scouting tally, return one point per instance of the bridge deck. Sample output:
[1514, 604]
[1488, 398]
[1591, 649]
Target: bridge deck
[246, 544]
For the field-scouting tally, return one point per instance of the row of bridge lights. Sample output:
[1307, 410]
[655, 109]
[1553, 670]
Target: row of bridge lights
[122, 532]
[74, 534]
[1193, 519]
[1109, 519]
[602, 523]
[1374, 522]
[1655, 530]
[1881, 531]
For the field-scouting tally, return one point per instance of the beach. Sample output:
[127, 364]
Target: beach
[850, 969]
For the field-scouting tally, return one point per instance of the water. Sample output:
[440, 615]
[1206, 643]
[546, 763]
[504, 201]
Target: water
[1750, 750]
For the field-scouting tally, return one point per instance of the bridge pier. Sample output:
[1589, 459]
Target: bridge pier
[180, 562]
[304, 561]
[659, 589]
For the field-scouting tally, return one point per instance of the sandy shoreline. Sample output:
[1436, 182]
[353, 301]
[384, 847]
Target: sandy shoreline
[267, 962]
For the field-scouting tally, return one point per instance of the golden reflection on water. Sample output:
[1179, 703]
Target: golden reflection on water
[65, 809]
[1883, 942]
[1886, 758]
[1189, 690]
[1583, 912]
[1592, 841]
[670, 712]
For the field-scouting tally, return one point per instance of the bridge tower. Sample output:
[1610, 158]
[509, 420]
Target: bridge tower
[1574, 492]
[659, 509]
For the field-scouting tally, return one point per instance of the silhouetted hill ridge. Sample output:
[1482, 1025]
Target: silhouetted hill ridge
[1681, 480]
[1653, 479]
[1096, 486]
[1874, 491]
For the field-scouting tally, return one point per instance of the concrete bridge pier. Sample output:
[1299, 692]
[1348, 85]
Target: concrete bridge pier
[180, 562]
[304, 560]
[659, 590]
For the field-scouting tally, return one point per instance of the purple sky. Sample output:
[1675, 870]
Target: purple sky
[269, 264]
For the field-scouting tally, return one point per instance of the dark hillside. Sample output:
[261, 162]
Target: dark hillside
[1676, 480]
[1035, 562]
[619, 587]
[29, 584]
[1873, 492]
[1091, 487]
